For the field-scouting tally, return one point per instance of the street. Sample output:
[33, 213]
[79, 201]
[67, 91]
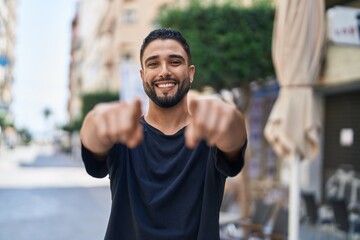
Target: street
[45, 195]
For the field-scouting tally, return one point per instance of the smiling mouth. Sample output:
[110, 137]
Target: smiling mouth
[165, 85]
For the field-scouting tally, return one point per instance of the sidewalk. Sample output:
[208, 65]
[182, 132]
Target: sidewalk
[40, 166]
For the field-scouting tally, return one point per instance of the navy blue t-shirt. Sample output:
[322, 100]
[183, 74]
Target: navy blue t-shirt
[162, 190]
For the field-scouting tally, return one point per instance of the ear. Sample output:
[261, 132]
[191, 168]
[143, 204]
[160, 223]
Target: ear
[191, 73]
[142, 74]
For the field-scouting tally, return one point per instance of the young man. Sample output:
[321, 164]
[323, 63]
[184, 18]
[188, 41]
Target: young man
[167, 169]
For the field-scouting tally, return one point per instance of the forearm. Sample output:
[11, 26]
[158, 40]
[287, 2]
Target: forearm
[233, 165]
[234, 138]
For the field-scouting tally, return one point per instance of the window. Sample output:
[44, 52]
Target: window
[129, 16]
[126, 58]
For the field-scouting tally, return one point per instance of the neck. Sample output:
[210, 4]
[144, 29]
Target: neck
[168, 120]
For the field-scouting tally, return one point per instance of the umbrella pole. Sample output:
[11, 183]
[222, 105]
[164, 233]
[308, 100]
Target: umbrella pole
[294, 198]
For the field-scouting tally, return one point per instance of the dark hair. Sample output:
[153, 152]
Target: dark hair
[165, 33]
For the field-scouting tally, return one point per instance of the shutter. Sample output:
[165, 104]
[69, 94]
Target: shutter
[341, 111]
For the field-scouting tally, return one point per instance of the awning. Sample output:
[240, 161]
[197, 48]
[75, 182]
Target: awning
[294, 123]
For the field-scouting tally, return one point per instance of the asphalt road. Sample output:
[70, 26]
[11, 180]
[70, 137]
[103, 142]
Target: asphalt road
[45, 195]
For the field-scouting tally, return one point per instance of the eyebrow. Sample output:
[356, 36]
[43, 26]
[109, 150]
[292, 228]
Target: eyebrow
[171, 56]
[151, 58]
[177, 56]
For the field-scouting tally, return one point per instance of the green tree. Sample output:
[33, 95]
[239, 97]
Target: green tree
[47, 112]
[231, 44]
[89, 100]
[2, 120]
[25, 136]
[5, 120]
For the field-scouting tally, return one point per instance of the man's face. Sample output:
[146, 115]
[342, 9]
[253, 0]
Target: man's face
[166, 73]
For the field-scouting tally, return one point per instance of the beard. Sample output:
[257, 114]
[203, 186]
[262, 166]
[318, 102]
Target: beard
[167, 101]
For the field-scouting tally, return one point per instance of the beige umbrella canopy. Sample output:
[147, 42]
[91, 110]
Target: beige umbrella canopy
[293, 125]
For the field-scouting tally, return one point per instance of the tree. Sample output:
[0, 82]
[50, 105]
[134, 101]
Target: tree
[89, 100]
[5, 120]
[25, 136]
[47, 112]
[231, 45]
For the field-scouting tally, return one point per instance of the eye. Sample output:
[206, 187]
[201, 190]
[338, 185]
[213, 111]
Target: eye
[152, 64]
[175, 62]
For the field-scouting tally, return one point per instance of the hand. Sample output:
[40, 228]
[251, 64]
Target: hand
[111, 123]
[220, 124]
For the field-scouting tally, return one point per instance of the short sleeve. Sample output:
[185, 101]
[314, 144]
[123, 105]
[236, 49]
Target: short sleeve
[227, 167]
[94, 167]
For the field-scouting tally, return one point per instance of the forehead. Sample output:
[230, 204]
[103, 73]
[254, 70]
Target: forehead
[164, 47]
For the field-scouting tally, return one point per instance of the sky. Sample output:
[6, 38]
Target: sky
[42, 58]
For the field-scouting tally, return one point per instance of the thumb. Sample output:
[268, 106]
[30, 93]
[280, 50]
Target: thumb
[136, 108]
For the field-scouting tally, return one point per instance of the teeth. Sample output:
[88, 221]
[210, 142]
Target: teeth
[165, 85]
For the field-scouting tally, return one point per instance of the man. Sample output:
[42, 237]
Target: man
[167, 169]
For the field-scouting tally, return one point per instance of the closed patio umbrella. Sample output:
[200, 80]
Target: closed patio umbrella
[293, 125]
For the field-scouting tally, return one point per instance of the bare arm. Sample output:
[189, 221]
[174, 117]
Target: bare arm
[220, 124]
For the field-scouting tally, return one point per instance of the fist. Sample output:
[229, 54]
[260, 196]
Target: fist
[110, 123]
[220, 124]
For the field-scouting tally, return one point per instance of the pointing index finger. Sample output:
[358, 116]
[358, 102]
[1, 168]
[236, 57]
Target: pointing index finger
[136, 109]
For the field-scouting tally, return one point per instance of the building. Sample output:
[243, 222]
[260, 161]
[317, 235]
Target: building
[106, 37]
[339, 91]
[7, 60]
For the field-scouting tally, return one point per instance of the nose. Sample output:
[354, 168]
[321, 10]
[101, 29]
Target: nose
[164, 73]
